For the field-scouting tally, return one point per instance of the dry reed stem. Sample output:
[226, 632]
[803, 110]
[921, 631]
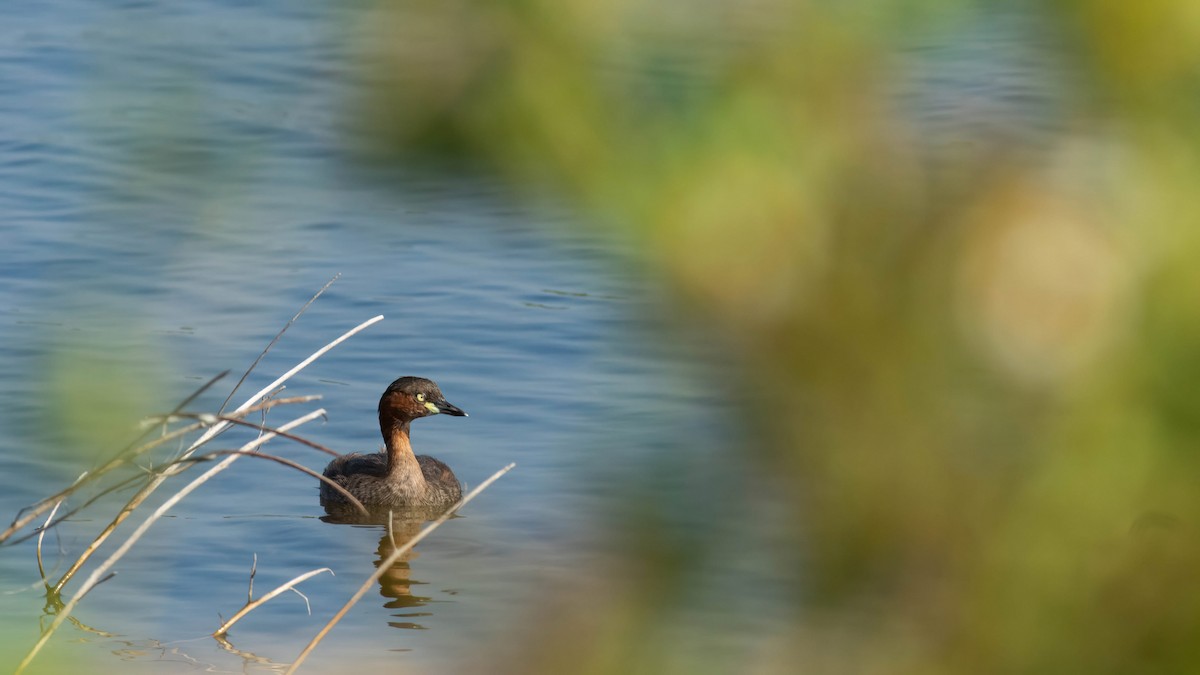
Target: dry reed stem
[252, 605]
[208, 419]
[41, 535]
[45, 526]
[387, 563]
[262, 427]
[221, 426]
[213, 430]
[253, 571]
[98, 574]
[83, 593]
[276, 339]
[289, 463]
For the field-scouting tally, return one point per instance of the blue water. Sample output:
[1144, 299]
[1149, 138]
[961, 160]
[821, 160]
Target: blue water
[174, 186]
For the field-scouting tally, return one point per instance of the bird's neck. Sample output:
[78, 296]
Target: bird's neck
[402, 463]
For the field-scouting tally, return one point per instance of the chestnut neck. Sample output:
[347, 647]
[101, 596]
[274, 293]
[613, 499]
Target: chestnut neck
[401, 460]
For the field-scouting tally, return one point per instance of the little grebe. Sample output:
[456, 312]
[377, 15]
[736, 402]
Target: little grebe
[396, 477]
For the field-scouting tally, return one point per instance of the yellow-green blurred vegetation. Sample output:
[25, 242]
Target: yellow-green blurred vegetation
[970, 368]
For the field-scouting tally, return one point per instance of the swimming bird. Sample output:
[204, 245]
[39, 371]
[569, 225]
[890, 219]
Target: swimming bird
[396, 477]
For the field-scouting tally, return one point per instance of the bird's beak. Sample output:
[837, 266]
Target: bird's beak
[444, 407]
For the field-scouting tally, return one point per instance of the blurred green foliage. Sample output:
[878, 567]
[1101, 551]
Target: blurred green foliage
[82, 418]
[981, 356]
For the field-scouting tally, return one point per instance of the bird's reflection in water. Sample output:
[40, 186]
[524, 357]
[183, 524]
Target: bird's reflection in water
[396, 584]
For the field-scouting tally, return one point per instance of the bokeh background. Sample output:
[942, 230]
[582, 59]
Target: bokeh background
[827, 337]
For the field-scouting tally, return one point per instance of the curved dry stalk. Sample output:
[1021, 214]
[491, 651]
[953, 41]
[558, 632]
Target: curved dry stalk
[106, 577]
[286, 462]
[208, 419]
[262, 427]
[221, 426]
[99, 573]
[41, 535]
[212, 431]
[45, 526]
[387, 563]
[253, 572]
[276, 339]
[252, 605]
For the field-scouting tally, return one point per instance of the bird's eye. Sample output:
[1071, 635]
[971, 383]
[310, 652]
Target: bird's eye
[420, 397]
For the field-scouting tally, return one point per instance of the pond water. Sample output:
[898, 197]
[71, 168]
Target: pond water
[173, 189]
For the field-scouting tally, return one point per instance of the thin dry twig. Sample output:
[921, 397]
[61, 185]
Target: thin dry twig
[251, 605]
[262, 427]
[253, 571]
[208, 419]
[218, 428]
[41, 535]
[276, 339]
[286, 462]
[82, 594]
[307, 604]
[45, 526]
[387, 563]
